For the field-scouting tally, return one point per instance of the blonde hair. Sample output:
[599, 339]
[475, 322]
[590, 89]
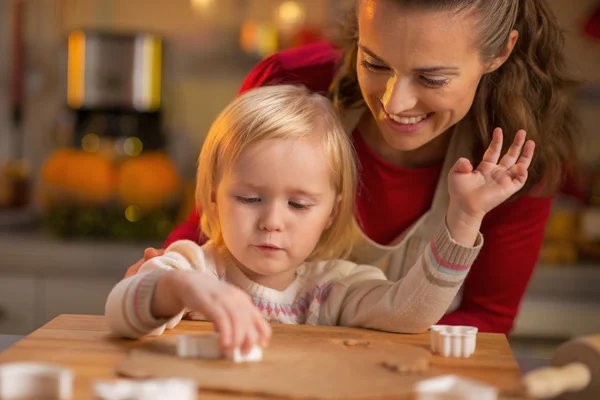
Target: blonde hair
[280, 112]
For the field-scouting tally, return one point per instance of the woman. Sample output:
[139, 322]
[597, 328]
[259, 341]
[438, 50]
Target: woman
[419, 84]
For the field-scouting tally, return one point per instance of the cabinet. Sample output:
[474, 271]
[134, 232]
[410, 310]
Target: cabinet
[59, 277]
[74, 296]
[18, 313]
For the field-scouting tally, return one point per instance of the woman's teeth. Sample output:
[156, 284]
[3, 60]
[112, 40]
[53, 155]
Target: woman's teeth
[410, 120]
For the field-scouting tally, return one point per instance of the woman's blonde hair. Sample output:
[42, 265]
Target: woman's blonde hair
[280, 112]
[532, 90]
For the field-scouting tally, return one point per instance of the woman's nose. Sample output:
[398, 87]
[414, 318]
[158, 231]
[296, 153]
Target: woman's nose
[399, 96]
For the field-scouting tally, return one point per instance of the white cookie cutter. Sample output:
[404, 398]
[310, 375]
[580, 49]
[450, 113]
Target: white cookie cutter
[453, 341]
[454, 387]
[209, 346]
[35, 380]
[153, 389]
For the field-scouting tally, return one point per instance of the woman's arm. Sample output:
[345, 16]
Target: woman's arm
[494, 288]
[188, 230]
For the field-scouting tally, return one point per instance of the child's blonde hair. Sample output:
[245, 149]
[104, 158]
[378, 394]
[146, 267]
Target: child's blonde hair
[280, 112]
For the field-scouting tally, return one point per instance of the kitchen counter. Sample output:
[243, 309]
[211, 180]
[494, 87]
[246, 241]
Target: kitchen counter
[82, 343]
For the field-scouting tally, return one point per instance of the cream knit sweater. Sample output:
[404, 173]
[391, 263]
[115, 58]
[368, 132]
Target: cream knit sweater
[335, 292]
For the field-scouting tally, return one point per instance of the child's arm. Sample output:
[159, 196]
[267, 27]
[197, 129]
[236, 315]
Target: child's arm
[412, 304]
[421, 298]
[128, 306]
[165, 286]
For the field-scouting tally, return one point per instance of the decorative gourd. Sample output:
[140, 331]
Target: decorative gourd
[148, 181]
[77, 176]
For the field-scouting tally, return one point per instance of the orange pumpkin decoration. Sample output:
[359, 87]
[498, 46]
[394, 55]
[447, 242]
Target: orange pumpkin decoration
[148, 181]
[77, 175]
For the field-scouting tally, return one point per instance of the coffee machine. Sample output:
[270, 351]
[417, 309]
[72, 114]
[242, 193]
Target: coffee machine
[113, 91]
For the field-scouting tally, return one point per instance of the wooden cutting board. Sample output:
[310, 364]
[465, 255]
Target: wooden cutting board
[293, 366]
[83, 343]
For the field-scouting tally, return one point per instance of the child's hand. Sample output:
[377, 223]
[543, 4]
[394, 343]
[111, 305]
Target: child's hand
[229, 308]
[473, 193]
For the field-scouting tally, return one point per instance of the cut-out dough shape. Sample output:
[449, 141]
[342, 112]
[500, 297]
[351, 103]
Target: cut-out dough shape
[356, 343]
[35, 380]
[403, 368]
[208, 346]
[154, 389]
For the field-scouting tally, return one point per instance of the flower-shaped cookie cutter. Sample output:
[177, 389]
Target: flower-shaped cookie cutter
[35, 380]
[454, 387]
[453, 341]
[152, 389]
[209, 346]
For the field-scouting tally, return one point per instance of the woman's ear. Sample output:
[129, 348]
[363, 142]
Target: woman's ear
[334, 211]
[504, 54]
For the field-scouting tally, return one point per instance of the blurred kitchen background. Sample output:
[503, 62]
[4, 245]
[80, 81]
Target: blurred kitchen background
[104, 105]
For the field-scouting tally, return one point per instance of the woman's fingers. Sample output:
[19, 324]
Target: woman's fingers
[511, 157]
[492, 154]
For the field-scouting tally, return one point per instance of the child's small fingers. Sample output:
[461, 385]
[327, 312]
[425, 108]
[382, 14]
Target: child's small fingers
[511, 157]
[223, 325]
[264, 331]
[463, 166]
[527, 155]
[492, 154]
[250, 339]
[521, 173]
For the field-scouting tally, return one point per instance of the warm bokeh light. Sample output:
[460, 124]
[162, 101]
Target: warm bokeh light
[133, 213]
[90, 143]
[133, 146]
[201, 5]
[290, 14]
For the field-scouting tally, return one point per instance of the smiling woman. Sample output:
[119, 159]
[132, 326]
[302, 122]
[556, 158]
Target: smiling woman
[420, 84]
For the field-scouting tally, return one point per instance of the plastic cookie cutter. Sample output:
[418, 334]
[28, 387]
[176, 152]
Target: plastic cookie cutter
[454, 387]
[153, 389]
[209, 346]
[453, 341]
[34, 380]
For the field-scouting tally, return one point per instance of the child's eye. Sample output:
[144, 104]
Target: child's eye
[434, 82]
[298, 206]
[373, 67]
[248, 200]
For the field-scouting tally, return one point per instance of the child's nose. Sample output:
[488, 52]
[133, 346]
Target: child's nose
[272, 219]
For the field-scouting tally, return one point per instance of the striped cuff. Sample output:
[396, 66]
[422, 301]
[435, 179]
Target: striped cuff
[447, 261]
[139, 302]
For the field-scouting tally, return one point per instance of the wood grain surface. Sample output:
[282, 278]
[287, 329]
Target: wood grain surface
[83, 343]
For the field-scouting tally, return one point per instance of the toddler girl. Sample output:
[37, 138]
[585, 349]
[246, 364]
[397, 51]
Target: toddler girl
[276, 182]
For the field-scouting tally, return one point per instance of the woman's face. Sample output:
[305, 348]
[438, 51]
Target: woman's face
[418, 71]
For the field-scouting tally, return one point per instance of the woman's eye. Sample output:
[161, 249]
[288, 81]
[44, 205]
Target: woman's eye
[434, 82]
[298, 206]
[248, 200]
[374, 67]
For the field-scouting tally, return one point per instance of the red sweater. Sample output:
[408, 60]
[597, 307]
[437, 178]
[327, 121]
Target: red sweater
[391, 198]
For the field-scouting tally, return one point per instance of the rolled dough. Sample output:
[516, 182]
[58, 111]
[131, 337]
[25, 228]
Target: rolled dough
[293, 366]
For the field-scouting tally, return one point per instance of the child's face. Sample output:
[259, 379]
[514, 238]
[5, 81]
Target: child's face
[273, 205]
